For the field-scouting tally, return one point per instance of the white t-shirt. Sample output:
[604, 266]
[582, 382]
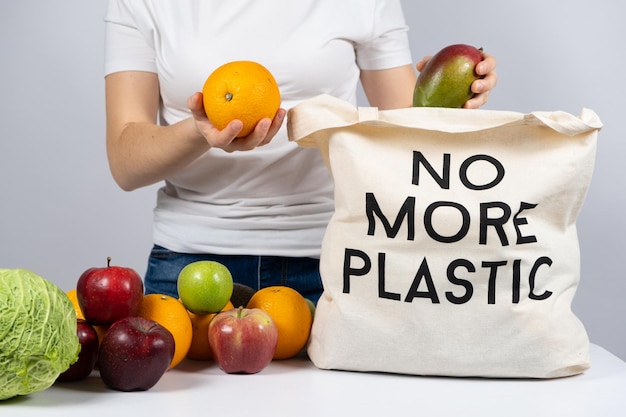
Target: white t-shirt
[276, 199]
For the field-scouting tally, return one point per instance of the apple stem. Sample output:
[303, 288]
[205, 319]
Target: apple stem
[240, 312]
[108, 261]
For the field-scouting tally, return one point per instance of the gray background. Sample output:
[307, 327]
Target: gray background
[60, 211]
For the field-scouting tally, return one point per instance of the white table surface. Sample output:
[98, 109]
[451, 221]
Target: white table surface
[295, 387]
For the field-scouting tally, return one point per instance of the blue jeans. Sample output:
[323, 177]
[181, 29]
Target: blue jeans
[301, 274]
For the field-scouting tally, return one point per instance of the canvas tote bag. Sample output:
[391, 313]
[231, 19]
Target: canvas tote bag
[453, 248]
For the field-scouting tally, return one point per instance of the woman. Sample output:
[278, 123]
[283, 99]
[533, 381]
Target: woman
[257, 204]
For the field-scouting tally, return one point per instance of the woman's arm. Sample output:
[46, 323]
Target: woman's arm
[141, 152]
[389, 88]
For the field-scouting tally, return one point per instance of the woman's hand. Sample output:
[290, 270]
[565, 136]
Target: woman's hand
[226, 138]
[481, 87]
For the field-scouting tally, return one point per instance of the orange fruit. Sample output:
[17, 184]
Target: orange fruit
[291, 314]
[170, 313]
[71, 294]
[200, 349]
[101, 330]
[243, 90]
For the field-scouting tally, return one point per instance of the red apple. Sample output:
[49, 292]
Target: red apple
[243, 340]
[134, 354]
[108, 294]
[88, 339]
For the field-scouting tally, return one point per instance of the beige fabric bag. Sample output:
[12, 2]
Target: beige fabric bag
[453, 247]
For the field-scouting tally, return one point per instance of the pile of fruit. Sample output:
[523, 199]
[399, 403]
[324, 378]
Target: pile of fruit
[133, 338]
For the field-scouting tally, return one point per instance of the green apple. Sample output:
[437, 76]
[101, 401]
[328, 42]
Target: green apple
[311, 305]
[205, 287]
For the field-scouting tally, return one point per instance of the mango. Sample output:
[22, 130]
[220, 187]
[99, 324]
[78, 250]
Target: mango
[446, 79]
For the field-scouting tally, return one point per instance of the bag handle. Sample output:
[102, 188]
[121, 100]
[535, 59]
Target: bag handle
[567, 124]
[313, 119]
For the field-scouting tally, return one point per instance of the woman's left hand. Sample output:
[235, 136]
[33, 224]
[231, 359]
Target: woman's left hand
[483, 86]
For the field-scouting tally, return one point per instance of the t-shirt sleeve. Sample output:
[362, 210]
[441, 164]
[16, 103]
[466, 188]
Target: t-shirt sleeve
[388, 46]
[127, 46]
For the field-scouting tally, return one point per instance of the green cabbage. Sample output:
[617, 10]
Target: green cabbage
[38, 339]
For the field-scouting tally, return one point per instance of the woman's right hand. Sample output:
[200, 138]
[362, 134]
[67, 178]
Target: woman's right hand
[226, 138]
